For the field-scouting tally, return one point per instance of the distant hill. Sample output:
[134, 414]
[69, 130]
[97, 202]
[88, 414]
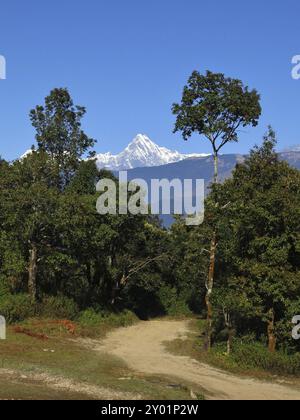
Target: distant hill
[200, 168]
[196, 168]
[292, 157]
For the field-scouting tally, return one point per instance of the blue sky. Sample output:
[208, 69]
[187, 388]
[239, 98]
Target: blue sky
[127, 61]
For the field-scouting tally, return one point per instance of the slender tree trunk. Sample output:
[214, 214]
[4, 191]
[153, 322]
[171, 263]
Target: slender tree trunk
[90, 279]
[271, 332]
[209, 287]
[211, 273]
[229, 327]
[32, 271]
[115, 282]
[115, 292]
[216, 168]
[229, 342]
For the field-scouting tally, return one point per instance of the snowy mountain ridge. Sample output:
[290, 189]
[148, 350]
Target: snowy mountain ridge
[141, 152]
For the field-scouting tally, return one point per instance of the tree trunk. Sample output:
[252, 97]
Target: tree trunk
[271, 332]
[32, 271]
[229, 342]
[230, 330]
[115, 292]
[212, 264]
[209, 287]
[216, 168]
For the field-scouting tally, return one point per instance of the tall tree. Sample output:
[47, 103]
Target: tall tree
[260, 241]
[215, 107]
[59, 131]
[28, 201]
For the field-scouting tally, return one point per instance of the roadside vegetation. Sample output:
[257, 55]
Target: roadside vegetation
[249, 357]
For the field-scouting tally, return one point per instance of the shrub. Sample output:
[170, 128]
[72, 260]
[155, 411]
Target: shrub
[256, 355]
[91, 318]
[172, 303]
[122, 319]
[16, 308]
[58, 307]
[4, 287]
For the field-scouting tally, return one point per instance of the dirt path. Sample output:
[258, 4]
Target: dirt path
[142, 348]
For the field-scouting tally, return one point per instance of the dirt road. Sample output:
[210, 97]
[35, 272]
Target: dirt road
[142, 348]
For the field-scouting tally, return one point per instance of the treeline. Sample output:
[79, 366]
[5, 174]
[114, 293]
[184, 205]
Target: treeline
[240, 269]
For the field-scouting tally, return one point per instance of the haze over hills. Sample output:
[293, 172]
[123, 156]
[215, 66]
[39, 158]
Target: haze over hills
[199, 168]
[295, 148]
[202, 168]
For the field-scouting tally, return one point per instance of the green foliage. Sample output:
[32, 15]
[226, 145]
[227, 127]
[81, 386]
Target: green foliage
[59, 131]
[215, 106]
[4, 288]
[258, 251]
[91, 318]
[58, 307]
[85, 179]
[189, 262]
[16, 308]
[172, 303]
[256, 356]
[54, 243]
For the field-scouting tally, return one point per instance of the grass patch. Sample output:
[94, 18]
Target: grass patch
[66, 355]
[15, 388]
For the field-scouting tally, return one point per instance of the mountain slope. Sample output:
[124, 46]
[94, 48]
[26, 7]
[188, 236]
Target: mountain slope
[201, 168]
[198, 168]
[141, 152]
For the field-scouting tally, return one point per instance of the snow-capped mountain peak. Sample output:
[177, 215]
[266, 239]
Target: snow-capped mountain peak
[141, 140]
[26, 154]
[141, 152]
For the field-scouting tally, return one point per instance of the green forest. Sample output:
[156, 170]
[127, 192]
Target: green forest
[239, 272]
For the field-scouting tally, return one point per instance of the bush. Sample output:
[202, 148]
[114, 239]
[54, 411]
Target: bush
[172, 303]
[122, 319]
[256, 355]
[91, 318]
[16, 308]
[58, 307]
[4, 289]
